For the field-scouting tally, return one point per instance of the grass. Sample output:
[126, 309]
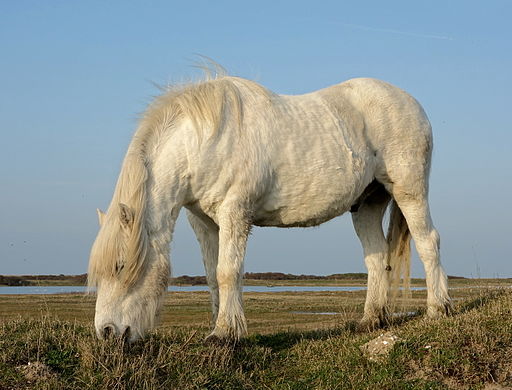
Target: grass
[284, 350]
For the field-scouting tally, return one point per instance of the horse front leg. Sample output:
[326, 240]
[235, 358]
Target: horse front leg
[207, 233]
[368, 225]
[233, 232]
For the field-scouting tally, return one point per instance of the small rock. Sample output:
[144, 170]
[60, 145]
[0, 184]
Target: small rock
[380, 347]
[36, 371]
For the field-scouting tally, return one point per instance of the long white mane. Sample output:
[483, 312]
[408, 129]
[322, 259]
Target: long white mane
[118, 251]
[207, 104]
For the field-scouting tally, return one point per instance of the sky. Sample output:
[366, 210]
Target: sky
[75, 76]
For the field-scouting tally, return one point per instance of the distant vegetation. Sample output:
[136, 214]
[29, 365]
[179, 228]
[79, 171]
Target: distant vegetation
[30, 280]
[36, 280]
[272, 276]
[80, 280]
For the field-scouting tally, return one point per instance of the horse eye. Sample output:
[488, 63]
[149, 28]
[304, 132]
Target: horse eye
[119, 267]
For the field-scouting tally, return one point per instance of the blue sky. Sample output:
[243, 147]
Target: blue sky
[74, 76]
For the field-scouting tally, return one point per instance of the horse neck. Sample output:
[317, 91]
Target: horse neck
[165, 197]
[161, 227]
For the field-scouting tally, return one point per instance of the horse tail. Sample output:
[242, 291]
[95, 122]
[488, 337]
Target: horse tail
[399, 252]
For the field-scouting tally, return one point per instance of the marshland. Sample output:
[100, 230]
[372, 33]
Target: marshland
[297, 340]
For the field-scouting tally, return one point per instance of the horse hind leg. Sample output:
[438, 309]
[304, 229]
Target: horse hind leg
[416, 211]
[207, 233]
[367, 220]
[405, 174]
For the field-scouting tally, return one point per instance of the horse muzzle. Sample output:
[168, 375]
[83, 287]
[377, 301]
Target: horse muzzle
[110, 331]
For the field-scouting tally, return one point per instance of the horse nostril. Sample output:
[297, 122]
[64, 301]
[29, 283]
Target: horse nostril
[109, 331]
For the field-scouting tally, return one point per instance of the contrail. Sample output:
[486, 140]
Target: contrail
[387, 30]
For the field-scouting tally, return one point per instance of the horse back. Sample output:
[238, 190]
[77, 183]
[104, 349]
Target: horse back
[302, 160]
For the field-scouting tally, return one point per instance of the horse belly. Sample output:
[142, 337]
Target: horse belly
[323, 189]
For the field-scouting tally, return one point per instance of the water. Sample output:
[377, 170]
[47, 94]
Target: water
[316, 313]
[39, 290]
[333, 313]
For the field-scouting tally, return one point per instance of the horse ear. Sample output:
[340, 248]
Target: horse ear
[101, 216]
[126, 215]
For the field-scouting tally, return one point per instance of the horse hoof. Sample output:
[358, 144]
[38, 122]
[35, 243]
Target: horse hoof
[439, 311]
[366, 326]
[213, 339]
[370, 324]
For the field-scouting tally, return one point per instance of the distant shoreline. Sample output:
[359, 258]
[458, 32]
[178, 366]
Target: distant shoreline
[251, 278]
[262, 277]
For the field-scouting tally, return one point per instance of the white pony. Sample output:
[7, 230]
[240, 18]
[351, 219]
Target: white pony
[235, 154]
